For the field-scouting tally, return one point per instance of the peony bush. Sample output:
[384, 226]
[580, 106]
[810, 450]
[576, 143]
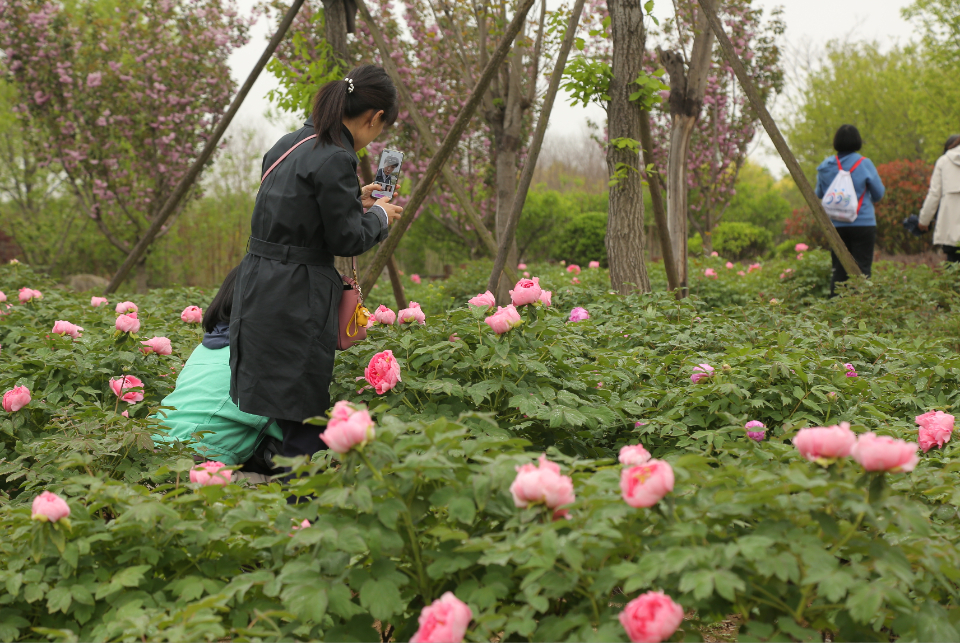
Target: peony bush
[553, 481]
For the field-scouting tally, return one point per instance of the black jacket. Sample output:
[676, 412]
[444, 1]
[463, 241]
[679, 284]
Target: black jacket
[284, 323]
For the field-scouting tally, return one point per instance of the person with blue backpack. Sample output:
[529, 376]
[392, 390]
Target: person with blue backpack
[849, 185]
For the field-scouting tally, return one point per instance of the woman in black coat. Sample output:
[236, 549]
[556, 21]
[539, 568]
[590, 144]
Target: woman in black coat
[284, 324]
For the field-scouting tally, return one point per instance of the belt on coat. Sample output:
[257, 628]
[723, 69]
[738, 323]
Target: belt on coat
[289, 254]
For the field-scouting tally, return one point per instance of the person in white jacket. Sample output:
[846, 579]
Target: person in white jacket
[943, 200]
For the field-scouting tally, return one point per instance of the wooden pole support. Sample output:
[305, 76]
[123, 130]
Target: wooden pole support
[423, 128]
[659, 208]
[528, 168]
[833, 238]
[191, 176]
[450, 141]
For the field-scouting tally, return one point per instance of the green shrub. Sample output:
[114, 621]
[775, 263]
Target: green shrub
[795, 549]
[695, 245]
[582, 239]
[737, 240]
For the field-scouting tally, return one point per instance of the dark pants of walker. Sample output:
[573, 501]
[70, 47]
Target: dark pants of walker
[953, 253]
[300, 439]
[860, 241]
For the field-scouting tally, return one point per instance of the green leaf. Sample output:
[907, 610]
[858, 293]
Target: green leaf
[381, 598]
[864, 602]
[59, 599]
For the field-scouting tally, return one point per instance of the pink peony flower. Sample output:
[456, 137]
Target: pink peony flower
[753, 266]
[573, 269]
[61, 327]
[936, 427]
[758, 432]
[192, 315]
[384, 315]
[526, 274]
[209, 473]
[126, 307]
[123, 387]
[415, 278]
[741, 273]
[383, 372]
[49, 507]
[801, 247]
[643, 485]
[412, 314]
[128, 323]
[545, 296]
[484, 300]
[125, 414]
[16, 398]
[701, 371]
[521, 266]
[96, 302]
[710, 272]
[574, 281]
[526, 292]
[159, 345]
[633, 454]
[729, 265]
[303, 525]
[883, 453]
[579, 314]
[349, 427]
[800, 256]
[443, 621]
[825, 442]
[504, 319]
[651, 618]
[29, 294]
[593, 264]
[714, 254]
[542, 484]
[3, 297]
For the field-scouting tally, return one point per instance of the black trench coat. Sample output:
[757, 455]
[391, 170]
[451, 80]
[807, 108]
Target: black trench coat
[284, 322]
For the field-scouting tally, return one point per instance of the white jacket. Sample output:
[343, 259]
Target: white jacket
[944, 195]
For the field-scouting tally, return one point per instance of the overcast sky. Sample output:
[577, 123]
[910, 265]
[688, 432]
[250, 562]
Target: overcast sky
[809, 23]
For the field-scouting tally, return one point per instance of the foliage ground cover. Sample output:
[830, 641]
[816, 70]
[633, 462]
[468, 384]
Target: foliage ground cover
[794, 549]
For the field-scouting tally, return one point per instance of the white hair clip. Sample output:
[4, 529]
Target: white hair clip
[349, 82]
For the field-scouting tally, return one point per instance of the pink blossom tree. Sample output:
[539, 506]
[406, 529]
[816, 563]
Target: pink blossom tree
[440, 47]
[726, 125]
[120, 101]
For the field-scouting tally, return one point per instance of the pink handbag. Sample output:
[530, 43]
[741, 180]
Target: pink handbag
[352, 315]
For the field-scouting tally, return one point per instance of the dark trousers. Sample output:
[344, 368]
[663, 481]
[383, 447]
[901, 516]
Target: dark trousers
[953, 253]
[299, 439]
[860, 241]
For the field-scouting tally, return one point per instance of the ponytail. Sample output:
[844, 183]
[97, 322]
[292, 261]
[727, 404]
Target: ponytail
[368, 87]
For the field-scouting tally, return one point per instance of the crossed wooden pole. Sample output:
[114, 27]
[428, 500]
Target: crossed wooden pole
[442, 152]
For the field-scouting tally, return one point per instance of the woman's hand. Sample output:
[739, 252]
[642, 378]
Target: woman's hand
[923, 228]
[393, 211]
[366, 194]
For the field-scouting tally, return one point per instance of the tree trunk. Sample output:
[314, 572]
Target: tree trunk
[335, 28]
[142, 276]
[688, 83]
[625, 230]
[507, 132]
[680, 132]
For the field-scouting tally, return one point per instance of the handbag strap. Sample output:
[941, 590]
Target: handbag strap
[285, 155]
